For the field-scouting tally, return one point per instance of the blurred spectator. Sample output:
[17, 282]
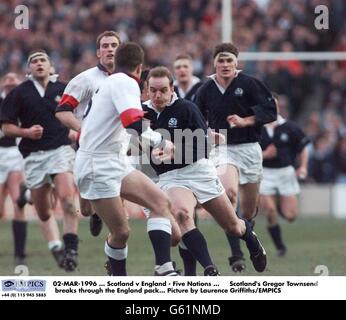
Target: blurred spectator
[67, 29]
[340, 160]
[321, 161]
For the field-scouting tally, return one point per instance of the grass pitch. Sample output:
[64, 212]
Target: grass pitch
[311, 242]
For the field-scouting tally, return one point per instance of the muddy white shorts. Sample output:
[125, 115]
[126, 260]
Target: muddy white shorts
[200, 177]
[282, 181]
[40, 166]
[246, 157]
[99, 175]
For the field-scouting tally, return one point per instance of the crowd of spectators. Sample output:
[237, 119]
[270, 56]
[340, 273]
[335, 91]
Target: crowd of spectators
[67, 30]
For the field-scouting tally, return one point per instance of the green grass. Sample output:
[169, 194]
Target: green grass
[311, 242]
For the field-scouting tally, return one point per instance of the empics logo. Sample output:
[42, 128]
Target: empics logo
[9, 283]
[23, 285]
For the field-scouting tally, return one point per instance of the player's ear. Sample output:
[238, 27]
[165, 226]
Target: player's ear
[139, 69]
[98, 53]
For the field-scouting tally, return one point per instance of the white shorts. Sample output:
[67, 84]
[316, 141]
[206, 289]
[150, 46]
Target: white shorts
[282, 181]
[10, 160]
[99, 176]
[41, 165]
[246, 157]
[199, 177]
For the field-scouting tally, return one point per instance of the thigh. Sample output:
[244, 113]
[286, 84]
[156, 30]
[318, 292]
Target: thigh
[85, 207]
[229, 176]
[222, 210]
[267, 203]
[2, 198]
[41, 198]
[183, 204]
[289, 205]
[138, 188]
[15, 178]
[248, 199]
[112, 212]
[64, 185]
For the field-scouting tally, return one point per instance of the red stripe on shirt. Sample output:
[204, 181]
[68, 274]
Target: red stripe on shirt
[69, 100]
[130, 116]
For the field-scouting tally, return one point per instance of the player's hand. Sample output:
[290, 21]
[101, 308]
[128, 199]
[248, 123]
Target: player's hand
[166, 153]
[236, 122]
[216, 137]
[302, 173]
[270, 152]
[35, 132]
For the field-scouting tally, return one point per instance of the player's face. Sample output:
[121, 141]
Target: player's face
[160, 92]
[225, 67]
[183, 70]
[40, 67]
[106, 52]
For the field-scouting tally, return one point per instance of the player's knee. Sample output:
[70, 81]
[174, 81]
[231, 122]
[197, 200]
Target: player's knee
[176, 237]
[43, 216]
[182, 216]
[290, 215]
[121, 235]
[162, 205]
[271, 211]
[232, 194]
[68, 205]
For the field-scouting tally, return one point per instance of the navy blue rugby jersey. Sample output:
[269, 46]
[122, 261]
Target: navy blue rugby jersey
[24, 105]
[245, 96]
[289, 141]
[6, 142]
[187, 130]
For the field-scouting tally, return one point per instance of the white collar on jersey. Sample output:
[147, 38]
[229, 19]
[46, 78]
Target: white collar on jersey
[52, 78]
[270, 128]
[221, 88]
[183, 93]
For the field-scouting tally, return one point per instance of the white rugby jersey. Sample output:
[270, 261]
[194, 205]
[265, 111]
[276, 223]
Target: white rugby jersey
[103, 130]
[81, 88]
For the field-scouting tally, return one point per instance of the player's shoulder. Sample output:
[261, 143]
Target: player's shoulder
[86, 75]
[122, 79]
[204, 85]
[22, 88]
[246, 78]
[292, 125]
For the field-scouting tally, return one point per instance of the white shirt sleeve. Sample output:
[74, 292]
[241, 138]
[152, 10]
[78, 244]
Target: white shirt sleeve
[125, 94]
[79, 88]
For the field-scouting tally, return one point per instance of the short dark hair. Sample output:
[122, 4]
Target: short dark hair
[107, 33]
[161, 72]
[225, 47]
[129, 56]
